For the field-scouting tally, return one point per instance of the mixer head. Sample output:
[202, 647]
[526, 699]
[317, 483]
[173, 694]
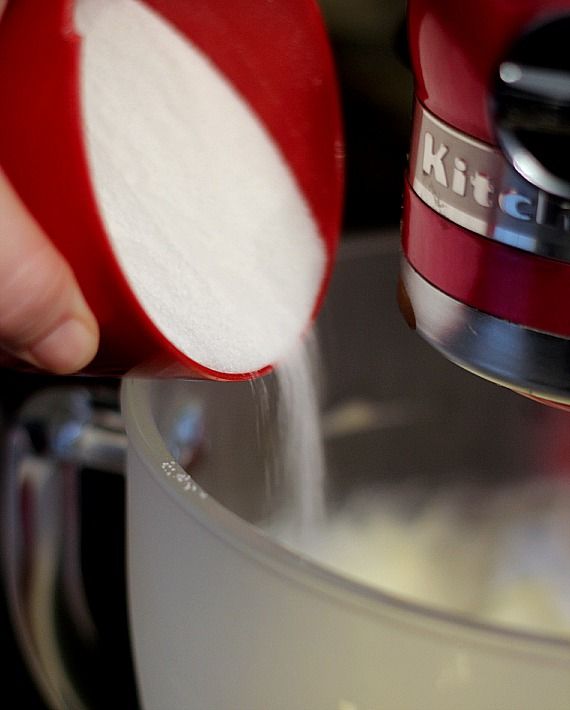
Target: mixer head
[486, 228]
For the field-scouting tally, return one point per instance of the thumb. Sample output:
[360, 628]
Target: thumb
[44, 318]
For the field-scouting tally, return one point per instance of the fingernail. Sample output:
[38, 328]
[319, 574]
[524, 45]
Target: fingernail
[66, 349]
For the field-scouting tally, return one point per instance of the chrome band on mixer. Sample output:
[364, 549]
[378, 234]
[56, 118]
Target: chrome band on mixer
[472, 184]
[523, 359]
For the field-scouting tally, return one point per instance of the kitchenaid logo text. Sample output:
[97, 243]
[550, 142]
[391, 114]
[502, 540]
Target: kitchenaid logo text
[472, 184]
[457, 174]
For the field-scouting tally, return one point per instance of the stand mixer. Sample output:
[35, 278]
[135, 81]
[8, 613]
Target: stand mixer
[486, 211]
[223, 614]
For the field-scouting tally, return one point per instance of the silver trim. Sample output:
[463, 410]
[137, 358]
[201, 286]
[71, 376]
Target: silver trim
[473, 185]
[533, 101]
[522, 359]
[530, 167]
[537, 82]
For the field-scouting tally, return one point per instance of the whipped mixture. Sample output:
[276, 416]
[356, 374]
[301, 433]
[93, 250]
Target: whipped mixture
[500, 555]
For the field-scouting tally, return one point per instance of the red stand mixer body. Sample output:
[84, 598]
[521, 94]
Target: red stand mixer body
[486, 228]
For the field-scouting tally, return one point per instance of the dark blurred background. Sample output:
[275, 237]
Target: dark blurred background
[369, 44]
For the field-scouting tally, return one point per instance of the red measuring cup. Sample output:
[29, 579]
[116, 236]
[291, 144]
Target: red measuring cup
[275, 55]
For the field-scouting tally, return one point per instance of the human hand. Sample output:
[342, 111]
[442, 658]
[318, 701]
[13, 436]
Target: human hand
[44, 319]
